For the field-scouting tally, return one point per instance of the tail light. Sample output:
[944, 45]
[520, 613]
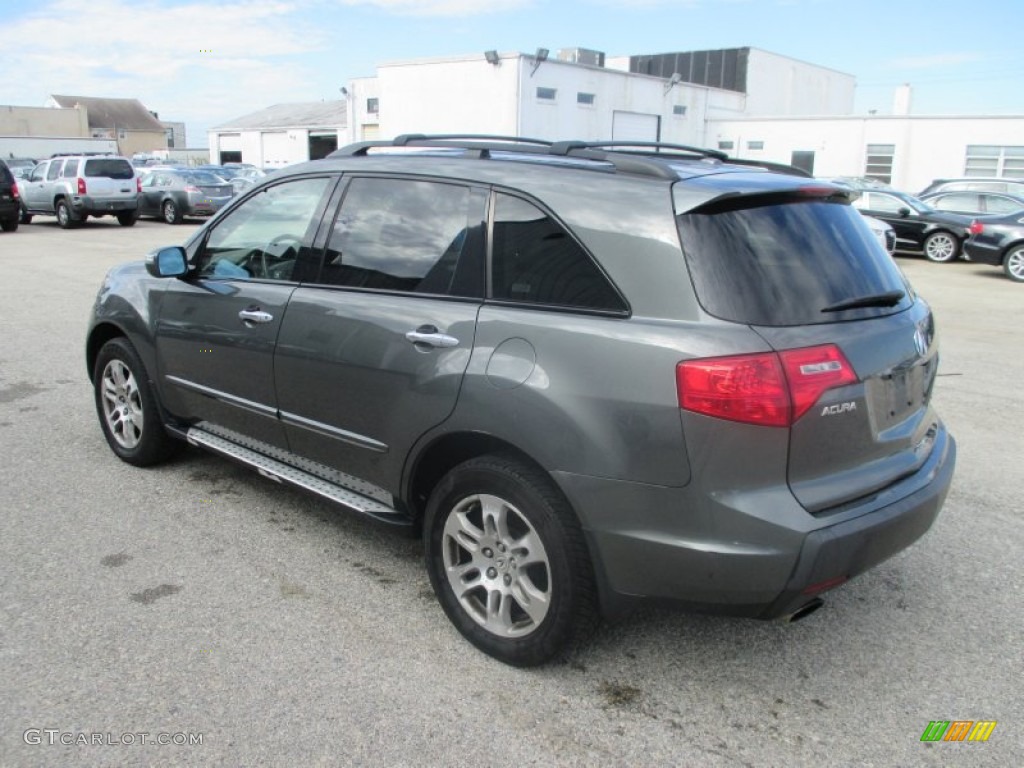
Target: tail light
[976, 227]
[81, 185]
[771, 389]
[14, 190]
[193, 189]
[138, 184]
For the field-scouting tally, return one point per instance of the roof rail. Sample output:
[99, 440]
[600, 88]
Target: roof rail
[644, 158]
[564, 147]
[792, 170]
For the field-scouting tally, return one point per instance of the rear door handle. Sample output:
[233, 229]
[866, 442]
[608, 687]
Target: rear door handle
[251, 317]
[431, 337]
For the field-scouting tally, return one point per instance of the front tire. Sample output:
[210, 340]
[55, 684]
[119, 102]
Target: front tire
[507, 561]
[1013, 264]
[127, 407]
[171, 212]
[941, 247]
[25, 217]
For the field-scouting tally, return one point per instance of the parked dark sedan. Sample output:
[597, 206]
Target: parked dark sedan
[975, 203]
[999, 241]
[172, 195]
[919, 227]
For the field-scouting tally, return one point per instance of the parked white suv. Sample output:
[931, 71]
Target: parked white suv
[74, 187]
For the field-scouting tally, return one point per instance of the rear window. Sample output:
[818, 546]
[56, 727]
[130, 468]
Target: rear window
[202, 177]
[782, 264]
[5, 175]
[109, 168]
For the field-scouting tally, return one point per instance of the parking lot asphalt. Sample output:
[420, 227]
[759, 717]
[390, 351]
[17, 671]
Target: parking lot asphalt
[198, 598]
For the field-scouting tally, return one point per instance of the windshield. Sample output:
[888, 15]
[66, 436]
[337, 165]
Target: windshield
[784, 264]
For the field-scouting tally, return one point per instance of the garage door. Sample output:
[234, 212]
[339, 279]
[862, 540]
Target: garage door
[635, 126]
[276, 148]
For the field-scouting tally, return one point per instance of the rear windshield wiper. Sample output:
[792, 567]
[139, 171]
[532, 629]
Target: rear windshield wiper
[888, 299]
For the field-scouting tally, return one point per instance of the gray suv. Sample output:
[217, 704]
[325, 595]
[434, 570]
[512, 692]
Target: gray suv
[588, 374]
[74, 187]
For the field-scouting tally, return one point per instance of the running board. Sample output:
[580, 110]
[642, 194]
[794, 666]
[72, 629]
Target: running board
[281, 472]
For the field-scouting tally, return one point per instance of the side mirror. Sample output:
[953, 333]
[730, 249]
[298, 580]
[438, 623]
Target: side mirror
[904, 212]
[167, 262]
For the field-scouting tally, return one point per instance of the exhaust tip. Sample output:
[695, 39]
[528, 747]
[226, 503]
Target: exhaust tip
[805, 610]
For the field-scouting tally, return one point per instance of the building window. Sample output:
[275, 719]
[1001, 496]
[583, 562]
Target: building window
[169, 134]
[547, 94]
[583, 98]
[991, 160]
[373, 106]
[725, 145]
[679, 109]
[879, 162]
[755, 145]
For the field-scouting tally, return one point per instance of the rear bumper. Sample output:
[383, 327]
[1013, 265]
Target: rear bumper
[670, 545]
[96, 206]
[983, 254]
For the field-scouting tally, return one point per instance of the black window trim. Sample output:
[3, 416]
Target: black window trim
[489, 255]
[337, 200]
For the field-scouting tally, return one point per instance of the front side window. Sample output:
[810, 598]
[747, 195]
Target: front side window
[534, 260]
[264, 236]
[878, 201]
[400, 235]
[39, 172]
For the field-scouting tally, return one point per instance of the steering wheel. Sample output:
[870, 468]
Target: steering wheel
[278, 248]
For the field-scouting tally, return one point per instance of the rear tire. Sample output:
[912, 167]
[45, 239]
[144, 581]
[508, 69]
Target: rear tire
[65, 217]
[941, 247]
[127, 219]
[1013, 264]
[507, 560]
[127, 407]
[9, 225]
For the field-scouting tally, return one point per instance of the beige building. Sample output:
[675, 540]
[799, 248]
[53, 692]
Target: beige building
[126, 121]
[43, 121]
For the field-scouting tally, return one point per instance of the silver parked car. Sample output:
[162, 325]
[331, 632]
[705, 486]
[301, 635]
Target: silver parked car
[75, 187]
[589, 375]
[172, 194]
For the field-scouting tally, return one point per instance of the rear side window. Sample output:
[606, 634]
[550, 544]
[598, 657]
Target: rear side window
[70, 169]
[402, 235]
[782, 264]
[536, 261]
[109, 168]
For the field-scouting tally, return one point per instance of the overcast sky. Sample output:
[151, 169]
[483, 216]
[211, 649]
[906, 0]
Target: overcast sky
[205, 62]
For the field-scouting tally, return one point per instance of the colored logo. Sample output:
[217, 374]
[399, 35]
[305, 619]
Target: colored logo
[958, 730]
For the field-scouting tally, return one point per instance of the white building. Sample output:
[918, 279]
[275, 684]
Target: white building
[748, 102]
[282, 134]
[907, 151]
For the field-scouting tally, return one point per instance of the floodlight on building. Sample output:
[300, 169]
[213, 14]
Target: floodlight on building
[538, 58]
[492, 58]
[673, 81]
[344, 91]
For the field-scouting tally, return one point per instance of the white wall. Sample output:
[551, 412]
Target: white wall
[451, 95]
[469, 95]
[926, 147]
[778, 85]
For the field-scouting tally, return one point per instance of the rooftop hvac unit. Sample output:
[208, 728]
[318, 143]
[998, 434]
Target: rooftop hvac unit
[582, 56]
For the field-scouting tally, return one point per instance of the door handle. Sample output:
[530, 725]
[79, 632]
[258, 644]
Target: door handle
[431, 337]
[251, 317]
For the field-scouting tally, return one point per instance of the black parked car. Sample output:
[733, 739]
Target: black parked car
[10, 199]
[975, 203]
[999, 241]
[919, 227]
